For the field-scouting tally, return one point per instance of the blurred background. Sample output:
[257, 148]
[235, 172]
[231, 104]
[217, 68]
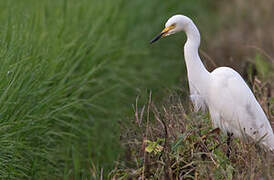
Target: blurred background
[71, 70]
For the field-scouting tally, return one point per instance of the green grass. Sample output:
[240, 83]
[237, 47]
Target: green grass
[69, 71]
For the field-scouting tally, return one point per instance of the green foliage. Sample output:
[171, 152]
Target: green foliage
[263, 67]
[154, 146]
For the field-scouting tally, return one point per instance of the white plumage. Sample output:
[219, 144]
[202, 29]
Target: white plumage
[232, 106]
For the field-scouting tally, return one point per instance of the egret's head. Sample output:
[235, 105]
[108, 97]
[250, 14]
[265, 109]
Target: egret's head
[173, 25]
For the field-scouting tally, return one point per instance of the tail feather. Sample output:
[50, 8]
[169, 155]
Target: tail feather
[268, 143]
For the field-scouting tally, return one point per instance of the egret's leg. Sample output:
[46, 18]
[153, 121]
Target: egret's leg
[228, 141]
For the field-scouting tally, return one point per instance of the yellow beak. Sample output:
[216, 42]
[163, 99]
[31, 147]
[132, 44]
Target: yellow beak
[162, 34]
[167, 29]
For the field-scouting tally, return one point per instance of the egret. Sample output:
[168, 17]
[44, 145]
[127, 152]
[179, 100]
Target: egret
[232, 106]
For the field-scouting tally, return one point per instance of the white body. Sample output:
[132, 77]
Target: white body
[232, 106]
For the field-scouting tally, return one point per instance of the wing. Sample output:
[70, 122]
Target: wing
[197, 100]
[236, 107]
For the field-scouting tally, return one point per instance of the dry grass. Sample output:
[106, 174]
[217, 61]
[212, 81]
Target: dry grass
[172, 142]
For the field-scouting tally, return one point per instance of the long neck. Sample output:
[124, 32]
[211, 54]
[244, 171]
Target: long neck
[197, 73]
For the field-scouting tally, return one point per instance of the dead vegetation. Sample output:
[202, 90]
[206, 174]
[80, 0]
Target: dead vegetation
[171, 142]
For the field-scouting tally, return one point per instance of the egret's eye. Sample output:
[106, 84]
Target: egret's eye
[173, 25]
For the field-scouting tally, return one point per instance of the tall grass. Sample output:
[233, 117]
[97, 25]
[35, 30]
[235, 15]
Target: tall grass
[69, 71]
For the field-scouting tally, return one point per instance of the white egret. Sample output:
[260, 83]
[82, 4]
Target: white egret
[232, 106]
